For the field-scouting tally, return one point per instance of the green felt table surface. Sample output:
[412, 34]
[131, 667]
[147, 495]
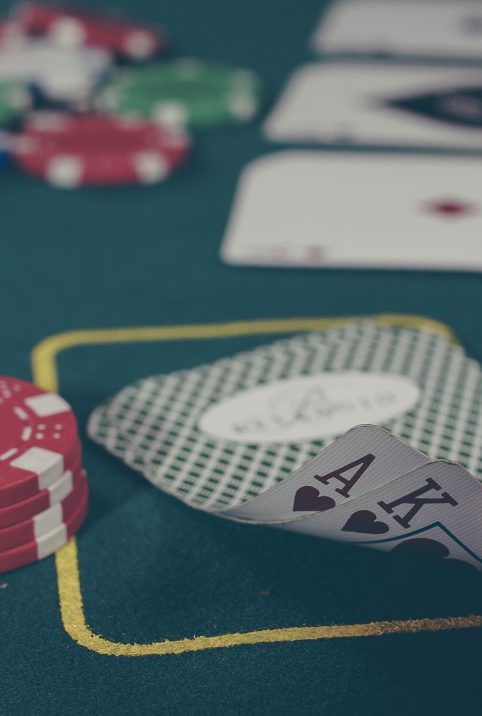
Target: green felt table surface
[150, 568]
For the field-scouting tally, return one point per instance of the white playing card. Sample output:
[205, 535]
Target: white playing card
[318, 209]
[363, 459]
[444, 28]
[380, 104]
[438, 505]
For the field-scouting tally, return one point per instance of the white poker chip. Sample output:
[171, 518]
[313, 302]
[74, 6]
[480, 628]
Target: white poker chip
[62, 73]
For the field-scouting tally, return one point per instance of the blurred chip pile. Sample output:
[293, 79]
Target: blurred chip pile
[86, 98]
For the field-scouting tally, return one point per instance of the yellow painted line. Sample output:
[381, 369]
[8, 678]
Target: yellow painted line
[44, 358]
[74, 622]
[45, 353]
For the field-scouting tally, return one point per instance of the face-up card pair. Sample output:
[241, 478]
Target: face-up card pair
[318, 209]
[367, 498]
[236, 437]
[434, 511]
[443, 28]
[380, 104]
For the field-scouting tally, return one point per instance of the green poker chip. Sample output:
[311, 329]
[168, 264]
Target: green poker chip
[14, 101]
[185, 93]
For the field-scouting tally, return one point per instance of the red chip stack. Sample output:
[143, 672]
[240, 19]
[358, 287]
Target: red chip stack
[43, 486]
[74, 27]
[98, 149]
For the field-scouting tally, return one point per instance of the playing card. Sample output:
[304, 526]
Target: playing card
[339, 209]
[380, 104]
[219, 435]
[365, 458]
[434, 510]
[402, 27]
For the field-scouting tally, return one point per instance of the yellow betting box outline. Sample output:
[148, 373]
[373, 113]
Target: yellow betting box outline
[45, 374]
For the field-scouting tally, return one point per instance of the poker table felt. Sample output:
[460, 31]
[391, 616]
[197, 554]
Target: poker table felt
[157, 608]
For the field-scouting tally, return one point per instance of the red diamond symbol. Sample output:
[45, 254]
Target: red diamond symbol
[315, 254]
[450, 208]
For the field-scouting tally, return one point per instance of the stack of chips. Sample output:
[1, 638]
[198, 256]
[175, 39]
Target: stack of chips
[98, 149]
[183, 93]
[72, 28]
[43, 486]
[121, 112]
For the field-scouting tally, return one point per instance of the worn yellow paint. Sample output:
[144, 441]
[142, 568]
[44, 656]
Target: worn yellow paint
[74, 622]
[45, 353]
[44, 367]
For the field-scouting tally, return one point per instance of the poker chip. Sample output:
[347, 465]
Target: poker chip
[61, 74]
[43, 486]
[98, 149]
[9, 31]
[40, 501]
[38, 440]
[3, 30]
[71, 27]
[49, 542]
[44, 522]
[5, 149]
[14, 101]
[23, 484]
[183, 93]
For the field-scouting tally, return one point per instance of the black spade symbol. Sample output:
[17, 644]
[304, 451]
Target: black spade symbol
[459, 107]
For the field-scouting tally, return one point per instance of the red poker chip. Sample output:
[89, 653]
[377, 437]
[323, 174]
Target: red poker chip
[40, 501]
[9, 31]
[19, 485]
[38, 439]
[98, 149]
[49, 542]
[43, 523]
[73, 27]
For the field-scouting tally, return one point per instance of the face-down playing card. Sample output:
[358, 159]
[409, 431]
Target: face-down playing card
[380, 104]
[165, 427]
[317, 210]
[218, 435]
[402, 27]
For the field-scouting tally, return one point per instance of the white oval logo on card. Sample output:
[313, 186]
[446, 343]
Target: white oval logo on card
[310, 407]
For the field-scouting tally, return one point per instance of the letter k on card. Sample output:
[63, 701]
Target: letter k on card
[436, 506]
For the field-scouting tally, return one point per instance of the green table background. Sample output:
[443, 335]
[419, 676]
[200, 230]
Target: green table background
[151, 569]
